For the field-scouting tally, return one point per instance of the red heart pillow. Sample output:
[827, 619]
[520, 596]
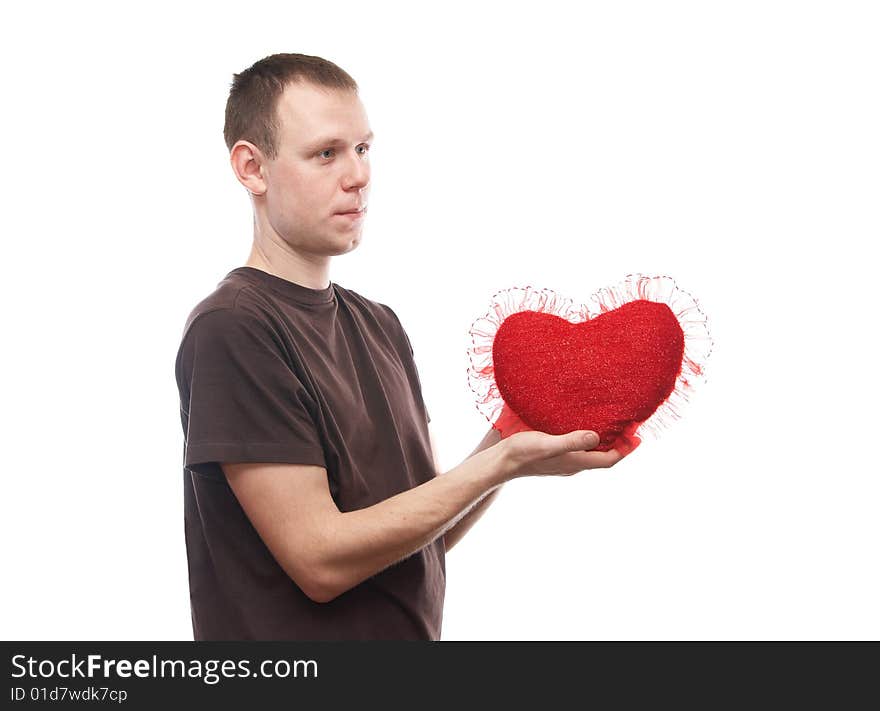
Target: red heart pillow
[539, 362]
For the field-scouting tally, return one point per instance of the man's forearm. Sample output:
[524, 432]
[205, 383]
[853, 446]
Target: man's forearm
[466, 522]
[456, 533]
[361, 543]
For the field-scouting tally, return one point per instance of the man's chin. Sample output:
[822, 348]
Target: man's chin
[344, 246]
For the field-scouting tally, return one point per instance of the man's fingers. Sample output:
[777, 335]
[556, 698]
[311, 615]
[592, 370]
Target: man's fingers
[556, 445]
[571, 450]
[596, 460]
[579, 440]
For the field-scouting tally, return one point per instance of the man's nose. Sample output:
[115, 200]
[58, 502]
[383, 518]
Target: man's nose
[357, 171]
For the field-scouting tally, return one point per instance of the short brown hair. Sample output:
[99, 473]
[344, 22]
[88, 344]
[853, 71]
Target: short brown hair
[253, 96]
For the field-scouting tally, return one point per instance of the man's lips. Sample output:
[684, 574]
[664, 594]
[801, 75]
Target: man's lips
[353, 216]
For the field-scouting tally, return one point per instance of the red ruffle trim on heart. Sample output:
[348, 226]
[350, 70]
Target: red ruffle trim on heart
[662, 289]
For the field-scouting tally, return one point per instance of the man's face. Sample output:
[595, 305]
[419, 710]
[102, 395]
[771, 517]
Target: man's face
[322, 169]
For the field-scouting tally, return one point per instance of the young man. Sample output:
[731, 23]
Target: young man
[314, 508]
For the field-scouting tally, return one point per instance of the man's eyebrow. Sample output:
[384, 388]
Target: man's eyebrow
[334, 141]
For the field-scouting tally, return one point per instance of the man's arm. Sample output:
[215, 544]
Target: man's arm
[513, 424]
[454, 534]
[325, 551]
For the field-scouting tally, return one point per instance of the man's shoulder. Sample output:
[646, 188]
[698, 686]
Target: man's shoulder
[382, 312]
[387, 319]
[226, 305]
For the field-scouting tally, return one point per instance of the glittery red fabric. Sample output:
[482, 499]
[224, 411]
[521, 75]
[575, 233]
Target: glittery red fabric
[600, 365]
[607, 374]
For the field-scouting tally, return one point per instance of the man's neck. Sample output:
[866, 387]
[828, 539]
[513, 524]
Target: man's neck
[311, 273]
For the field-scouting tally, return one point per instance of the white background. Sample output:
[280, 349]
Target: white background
[733, 146]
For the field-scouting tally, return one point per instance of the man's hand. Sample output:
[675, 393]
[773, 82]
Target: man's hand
[540, 454]
[532, 453]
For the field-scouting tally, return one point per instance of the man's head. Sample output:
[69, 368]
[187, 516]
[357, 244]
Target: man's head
[299, 141]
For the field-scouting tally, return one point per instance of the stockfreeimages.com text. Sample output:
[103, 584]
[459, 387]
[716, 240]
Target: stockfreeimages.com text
[210, 670]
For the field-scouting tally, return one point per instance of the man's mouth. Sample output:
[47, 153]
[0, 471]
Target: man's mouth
[353, 216]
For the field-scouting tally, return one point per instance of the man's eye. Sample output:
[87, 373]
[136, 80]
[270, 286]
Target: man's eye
[365, 146]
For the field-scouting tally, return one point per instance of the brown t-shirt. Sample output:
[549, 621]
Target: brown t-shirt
[272, 371]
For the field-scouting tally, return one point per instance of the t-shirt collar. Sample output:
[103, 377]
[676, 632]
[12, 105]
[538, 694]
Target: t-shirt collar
[292, 290]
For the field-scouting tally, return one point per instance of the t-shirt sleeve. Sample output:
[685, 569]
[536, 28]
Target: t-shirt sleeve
[244, 401]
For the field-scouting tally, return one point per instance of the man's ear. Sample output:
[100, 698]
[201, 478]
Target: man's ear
[245, 159]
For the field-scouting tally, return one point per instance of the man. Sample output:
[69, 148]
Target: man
[314, 508]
